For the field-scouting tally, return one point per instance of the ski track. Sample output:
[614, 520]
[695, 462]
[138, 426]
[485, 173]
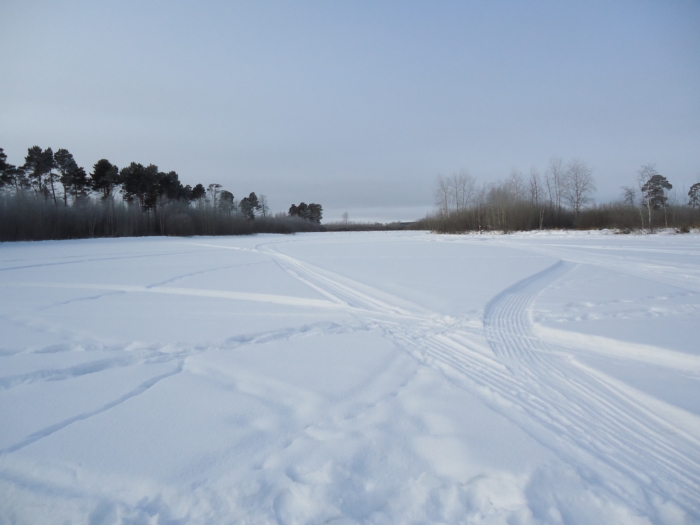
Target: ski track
[91, 260]
[681, 275]
[46, 432]
[610, 425]
[286, 300]
[566, 408]
[601, 430]
[154, 355]
[149, 356]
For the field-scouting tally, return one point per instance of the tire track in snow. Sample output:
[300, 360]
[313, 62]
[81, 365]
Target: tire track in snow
[591, 425]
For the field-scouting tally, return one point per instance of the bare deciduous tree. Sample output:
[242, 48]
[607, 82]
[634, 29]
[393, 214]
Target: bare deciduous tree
[578, 185]
[629, 196]
[463, 187]
[214, 190]
[537, 194]
[555, 178]
[442, 195]
[454, 193]
[264, 206]
[516, 184]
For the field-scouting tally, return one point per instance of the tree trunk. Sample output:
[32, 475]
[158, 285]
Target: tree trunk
[53, 190]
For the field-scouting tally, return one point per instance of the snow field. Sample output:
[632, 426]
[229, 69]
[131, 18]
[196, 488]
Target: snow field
[351, 378]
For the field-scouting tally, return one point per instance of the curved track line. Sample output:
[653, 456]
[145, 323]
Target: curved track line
[601, 430]
[504, 323]
[681, 275]
[341, 289]
[196, 292]
[46, 432]
[595, 427]
[608, 423]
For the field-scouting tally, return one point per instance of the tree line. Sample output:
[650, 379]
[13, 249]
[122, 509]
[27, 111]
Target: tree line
[561, 197]
[51, 197]
[312, 212]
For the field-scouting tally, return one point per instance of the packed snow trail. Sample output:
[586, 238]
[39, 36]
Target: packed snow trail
[605, 422]
[598, 428]
[679, 274]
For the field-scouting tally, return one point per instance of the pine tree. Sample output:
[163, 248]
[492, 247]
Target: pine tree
[104, 178]
[3, 161]
[654, 192]
[315, 212]
[198, 192]
[226, 202]
[311, 212]
[694, 195]
[39, 165]
[79, 184]
[67, 167]
[249, 205]
[170, 187]
[7, 171]
[140, 183]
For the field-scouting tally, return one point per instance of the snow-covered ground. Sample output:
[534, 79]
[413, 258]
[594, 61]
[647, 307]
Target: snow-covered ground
[351, 378]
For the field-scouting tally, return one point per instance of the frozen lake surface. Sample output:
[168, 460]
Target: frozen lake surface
[351, 378]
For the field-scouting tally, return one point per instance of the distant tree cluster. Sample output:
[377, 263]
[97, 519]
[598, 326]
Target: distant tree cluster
[553, 200]
[654, 195]
[311, 212]
[560, 198]
[107, 195]
[147, 186]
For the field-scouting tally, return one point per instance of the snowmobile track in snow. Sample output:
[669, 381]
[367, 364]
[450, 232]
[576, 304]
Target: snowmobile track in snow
[602, 431]
[609, 424]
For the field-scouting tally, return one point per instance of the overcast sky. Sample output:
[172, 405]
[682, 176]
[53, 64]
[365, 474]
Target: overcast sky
[355, 104]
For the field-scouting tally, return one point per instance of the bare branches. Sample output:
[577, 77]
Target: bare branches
[578, 185]
[554, 180]
[517, 202]
[455, 193]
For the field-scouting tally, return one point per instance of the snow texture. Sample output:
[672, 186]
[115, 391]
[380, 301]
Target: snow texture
[351, 378]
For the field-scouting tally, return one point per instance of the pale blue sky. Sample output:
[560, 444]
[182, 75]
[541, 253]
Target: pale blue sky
[355, 104]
